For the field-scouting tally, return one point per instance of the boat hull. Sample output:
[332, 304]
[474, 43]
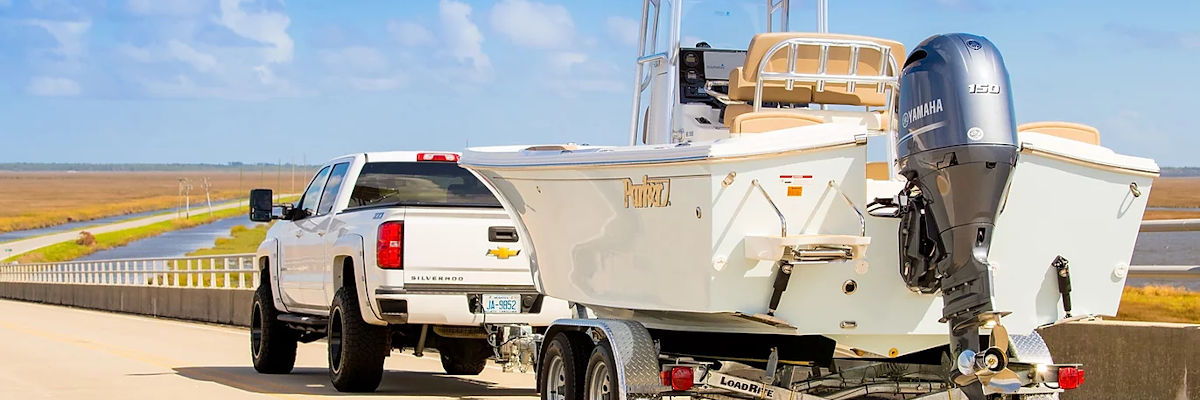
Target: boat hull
[675, 257]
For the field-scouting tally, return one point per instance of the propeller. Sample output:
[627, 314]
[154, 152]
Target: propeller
[990, 366]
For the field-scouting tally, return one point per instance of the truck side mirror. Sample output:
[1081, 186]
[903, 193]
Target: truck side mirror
[260, 205]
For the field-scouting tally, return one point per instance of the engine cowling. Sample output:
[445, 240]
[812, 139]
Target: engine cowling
[957, 147]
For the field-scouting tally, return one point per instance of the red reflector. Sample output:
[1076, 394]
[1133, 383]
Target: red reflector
[665, 377]
[445, 157]
[681, 378]
[1070, 377]
[389, 247]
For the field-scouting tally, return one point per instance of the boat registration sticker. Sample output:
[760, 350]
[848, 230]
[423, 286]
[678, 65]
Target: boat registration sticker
[501, 303]
[795, 191]
[790, 179]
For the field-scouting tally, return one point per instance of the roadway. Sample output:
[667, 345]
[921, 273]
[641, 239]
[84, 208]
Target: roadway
[54, 352]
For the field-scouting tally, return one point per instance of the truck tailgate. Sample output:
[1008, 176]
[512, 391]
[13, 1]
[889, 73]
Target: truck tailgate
[451, 247]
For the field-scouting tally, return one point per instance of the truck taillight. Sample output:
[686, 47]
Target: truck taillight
[1070, 377]
[389, 248]
[445, 157]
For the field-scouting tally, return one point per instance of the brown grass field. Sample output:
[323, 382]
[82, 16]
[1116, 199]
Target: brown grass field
[1175, 192]
[40, 199]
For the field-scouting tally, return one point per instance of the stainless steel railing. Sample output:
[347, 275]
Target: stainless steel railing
[232, 271]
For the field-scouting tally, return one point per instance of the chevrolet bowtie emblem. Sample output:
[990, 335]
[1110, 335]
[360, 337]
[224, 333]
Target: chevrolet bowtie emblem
[503, 253]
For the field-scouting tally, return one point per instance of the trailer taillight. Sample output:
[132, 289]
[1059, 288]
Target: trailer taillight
[1070, 377]
[444, 157]
[678, 378]
[389, 247]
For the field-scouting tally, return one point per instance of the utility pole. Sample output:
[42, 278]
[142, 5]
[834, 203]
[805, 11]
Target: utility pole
[179, 203]
[187, 198]
[207, 197]
[278, 177]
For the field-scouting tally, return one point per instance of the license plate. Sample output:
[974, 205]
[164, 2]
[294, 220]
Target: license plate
[501, 303]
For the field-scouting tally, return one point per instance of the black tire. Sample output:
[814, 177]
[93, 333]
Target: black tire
[464, 356]
[600, 380]
[272, 343]
[560, 372]
[356, 349]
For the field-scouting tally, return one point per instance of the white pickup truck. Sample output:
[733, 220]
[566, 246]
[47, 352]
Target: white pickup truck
[390, 250]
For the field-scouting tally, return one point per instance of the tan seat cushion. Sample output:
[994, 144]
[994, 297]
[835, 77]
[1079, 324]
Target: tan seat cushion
[878, 170]
[742, 79]
[766, 121]
[1066, 130]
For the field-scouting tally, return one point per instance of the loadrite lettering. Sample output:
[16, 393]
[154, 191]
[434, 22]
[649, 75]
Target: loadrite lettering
[747, 387]
[649, 193]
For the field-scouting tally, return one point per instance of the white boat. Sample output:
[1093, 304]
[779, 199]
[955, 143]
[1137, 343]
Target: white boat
[748, 200]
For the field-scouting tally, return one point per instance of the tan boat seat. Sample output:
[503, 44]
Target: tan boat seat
[878, 170]
[766, 121]
[1065, 130]
[742, 80]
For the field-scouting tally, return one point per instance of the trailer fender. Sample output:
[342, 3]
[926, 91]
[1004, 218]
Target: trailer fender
[633, 350]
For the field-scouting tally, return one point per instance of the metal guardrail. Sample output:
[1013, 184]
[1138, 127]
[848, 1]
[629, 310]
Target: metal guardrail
[1172, 272]
[1171, 225]
[232, 271]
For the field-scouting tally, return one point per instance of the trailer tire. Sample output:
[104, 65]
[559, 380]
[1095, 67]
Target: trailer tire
[356, 348]
[272, 343]
[561, 369]
[600, 382]
[464, 356]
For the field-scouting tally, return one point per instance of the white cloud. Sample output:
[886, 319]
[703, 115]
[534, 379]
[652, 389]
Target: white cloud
[534, 24]
[563, 61]
[410, 34]
[264, 27]
[199, 60]
[68, 34]
[166, 7]
[624, 30]
[464, 42]
[139, 54]
[355, 58]
[52, 86]
[373, 84]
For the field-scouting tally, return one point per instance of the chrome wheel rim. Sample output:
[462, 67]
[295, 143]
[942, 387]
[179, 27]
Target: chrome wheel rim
[600, 386]
[256, 324]
[335, 340]
[556, 385]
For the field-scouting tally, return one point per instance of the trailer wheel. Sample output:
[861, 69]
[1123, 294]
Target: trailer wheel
[356, 348]
[464, 356]
[601, 380]
[561, 374]
[272, 343]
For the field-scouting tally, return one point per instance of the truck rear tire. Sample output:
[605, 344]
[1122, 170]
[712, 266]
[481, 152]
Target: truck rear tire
[560, 372]
[272, 343]
[464, 356]
[356, 349]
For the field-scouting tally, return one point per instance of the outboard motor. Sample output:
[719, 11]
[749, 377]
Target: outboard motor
[957, 148]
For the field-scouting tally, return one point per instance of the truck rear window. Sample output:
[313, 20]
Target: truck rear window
[419, 184]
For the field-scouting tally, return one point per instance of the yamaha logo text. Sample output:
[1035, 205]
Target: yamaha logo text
[921, 111]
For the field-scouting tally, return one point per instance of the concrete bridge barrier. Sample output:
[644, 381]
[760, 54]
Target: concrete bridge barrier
[1122, 360]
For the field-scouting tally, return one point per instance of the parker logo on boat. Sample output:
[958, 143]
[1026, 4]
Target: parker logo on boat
[650, 193]
[921, 111]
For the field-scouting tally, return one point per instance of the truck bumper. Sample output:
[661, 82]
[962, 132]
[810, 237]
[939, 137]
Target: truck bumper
[456, 309]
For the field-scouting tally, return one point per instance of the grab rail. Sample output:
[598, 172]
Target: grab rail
[862, 220]
[888, 68]
[782, 219]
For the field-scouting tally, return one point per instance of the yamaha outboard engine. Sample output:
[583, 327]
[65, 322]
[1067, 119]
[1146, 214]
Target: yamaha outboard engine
[957, 148]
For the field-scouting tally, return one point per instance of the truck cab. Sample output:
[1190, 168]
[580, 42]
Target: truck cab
[391, 250]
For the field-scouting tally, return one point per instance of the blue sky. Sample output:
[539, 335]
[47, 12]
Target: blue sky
[238, 80]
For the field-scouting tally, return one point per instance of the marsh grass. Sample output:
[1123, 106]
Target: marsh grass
[1159, 304]
[42, 199]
